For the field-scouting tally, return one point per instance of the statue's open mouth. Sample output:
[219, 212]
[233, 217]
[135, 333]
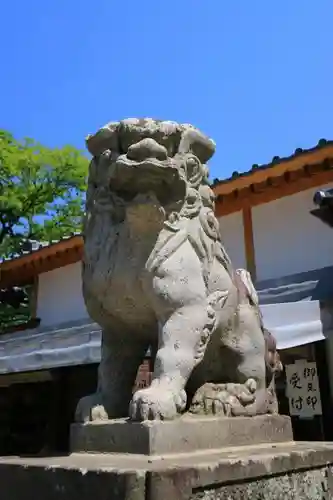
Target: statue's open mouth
[151, 165]
[150, 174]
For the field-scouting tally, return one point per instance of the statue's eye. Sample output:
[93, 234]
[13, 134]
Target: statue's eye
[192, 162]
[192, 198]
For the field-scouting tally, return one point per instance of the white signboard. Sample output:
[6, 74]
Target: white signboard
[303, 389]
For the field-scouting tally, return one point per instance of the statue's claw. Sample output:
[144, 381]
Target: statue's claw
[156, 403]
[90, 408]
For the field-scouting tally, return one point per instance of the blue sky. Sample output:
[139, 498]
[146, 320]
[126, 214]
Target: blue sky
[254, 75]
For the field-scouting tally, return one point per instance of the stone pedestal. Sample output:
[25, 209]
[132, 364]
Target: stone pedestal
[191, 458]
[301, 471]
[183, 435]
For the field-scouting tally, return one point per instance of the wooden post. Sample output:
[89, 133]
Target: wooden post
[249, 242]
[34, 297]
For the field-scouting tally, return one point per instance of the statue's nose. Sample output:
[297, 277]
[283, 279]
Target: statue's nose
[147, 148]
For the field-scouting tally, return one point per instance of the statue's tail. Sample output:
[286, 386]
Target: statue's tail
[246, 288]
[273, 360]
[247, 293]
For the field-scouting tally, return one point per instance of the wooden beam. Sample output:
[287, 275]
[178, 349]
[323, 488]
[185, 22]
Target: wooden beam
[28, 272]
[281, 188]
[249, 242]
[61, 259]
[25, 378]
[34, 298]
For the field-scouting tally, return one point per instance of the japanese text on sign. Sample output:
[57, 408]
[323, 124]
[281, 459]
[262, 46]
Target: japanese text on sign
[303, 389]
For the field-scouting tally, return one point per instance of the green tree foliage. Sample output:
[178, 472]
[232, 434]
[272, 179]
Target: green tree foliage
[14, 306]
[41, 198]
[41, 192]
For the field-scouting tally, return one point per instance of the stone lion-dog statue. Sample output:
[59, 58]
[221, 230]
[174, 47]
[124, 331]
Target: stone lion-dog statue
[156, 276]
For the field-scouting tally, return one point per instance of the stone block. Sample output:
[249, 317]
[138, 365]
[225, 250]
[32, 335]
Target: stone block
[293, 471]
[183, 435]
[68, 478]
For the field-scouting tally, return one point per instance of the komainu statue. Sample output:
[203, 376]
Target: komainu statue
[156, 275]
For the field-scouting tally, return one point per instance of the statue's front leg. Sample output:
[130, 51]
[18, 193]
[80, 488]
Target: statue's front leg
[186, 319]
[174, 363]
[121, 356]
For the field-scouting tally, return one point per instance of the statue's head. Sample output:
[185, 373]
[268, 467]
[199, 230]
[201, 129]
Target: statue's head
[137, 156]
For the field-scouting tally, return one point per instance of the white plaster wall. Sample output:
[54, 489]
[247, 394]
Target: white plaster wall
[60, 298]
[233, 238]
[288, 239]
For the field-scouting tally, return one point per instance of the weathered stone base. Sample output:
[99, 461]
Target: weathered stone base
[302, 471]
[183, 435]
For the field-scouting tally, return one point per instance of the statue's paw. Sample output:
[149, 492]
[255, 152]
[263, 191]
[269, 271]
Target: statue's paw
[156, 403]
[244, 393]
[209, 400]
[241, 398]
[224, 399]
[90, 408]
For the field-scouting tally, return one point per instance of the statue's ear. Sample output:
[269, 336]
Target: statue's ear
[104, 139]
[193, 141]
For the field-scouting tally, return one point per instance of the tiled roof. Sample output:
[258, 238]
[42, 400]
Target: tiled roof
[32, 246]
[38, 245]
[322, 143]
